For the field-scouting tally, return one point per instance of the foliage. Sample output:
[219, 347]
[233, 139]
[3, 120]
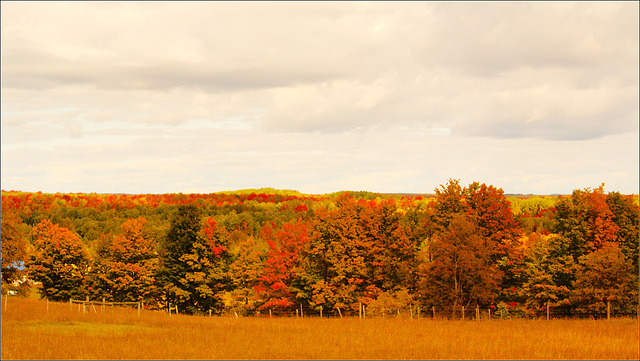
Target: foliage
[14, 250]
[282, 249]
[59, 262]
[604, 276]
[192, 269]
[460, 272]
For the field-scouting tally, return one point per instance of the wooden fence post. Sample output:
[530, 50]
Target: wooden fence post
[489, 313]
[411, 311]
[360, 310]
[176, 309]
[209, 312]
[608, 310]
[296, 313]
[547, 310]
[477, 313]
[462, 313]
[71, 304]
[269, 313]
[434, 312]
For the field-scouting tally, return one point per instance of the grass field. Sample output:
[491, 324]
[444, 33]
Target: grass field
[29, 331]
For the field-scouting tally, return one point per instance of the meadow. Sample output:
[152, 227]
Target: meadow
[31, 329]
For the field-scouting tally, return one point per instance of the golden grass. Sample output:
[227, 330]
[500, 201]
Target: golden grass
[30, 332]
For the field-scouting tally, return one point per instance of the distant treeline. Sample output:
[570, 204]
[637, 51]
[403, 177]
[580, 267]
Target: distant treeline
[252, 251]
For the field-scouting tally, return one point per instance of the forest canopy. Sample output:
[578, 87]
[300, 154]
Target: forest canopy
[262, 250]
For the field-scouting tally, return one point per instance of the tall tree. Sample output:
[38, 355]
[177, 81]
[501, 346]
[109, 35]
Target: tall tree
[132, 264]
[460, 272]
[14, 249]
[279, 283]
[605, 276]
[625, 216]
[60, 262]
[193, 268]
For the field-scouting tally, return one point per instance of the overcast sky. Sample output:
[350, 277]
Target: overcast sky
[168, 97]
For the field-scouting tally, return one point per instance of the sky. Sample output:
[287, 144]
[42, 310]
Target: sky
[391, 97]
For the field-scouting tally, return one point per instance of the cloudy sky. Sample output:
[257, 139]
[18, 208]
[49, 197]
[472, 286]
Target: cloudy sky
[167, 97]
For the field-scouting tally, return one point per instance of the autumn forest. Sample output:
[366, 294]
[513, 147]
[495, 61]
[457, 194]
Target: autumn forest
[255, 252]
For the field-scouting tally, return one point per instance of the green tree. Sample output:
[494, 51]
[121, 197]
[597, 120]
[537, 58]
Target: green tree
[625, 216]
[245, 272]
[60, 262]
[193, 267]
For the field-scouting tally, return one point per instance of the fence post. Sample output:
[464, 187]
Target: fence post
[296, 313]
[176, 309]
[269, 313]
[434, 312]
[462, 313]
[360, 310]
[209, 312]
[489, 312]
[364, 311]
[71, 304]
[411, 311]
[608, 310]
[477, 313]
[547, 310]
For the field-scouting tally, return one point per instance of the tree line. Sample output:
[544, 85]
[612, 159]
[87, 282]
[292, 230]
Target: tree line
[258, 250]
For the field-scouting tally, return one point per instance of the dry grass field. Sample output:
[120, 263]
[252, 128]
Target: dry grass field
[29, 331]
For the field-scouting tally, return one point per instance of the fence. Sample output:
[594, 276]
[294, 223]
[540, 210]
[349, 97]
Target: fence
[82, 304]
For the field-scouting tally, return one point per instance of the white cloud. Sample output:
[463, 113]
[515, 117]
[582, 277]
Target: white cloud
[318, 95]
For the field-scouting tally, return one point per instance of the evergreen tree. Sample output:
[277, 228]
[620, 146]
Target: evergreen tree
[193, 268]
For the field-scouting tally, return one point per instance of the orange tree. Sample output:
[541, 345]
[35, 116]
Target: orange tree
[605, 276]
[130, 265]
[459, 271]
[360, 250]
[14, 248]
[492, 213]
[60, 262]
